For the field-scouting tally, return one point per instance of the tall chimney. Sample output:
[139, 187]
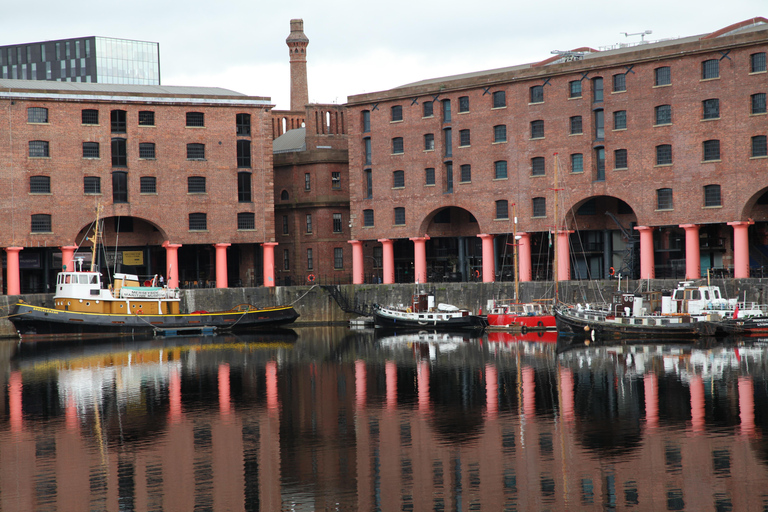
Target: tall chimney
[297, 45]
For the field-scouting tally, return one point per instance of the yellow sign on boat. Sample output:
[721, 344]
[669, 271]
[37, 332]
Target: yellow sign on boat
[133, 257]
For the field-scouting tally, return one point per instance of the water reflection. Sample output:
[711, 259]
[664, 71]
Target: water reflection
[327, 419]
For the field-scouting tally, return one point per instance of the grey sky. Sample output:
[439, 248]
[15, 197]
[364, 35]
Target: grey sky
[358, 47]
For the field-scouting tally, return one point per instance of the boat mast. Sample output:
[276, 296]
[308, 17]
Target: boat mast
[95, 240]
[556, 233]
[514, 252]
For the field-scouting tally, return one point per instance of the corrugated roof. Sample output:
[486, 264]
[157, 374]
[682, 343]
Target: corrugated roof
[291, 141]
[91, 88]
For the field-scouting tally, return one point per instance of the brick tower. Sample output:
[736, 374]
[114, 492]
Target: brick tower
[297, 45]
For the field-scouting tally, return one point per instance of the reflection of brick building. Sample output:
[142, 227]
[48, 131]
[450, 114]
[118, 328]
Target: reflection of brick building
[667, 137]
[311, 182]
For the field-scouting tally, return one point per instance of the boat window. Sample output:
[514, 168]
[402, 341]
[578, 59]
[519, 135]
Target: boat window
[706, 294]
[94, 280]
[696, 295]
[678, 295]
[716, 294]
[83, 279]
[66, 279]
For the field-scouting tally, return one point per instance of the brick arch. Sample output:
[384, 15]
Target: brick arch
[756, 207]
[599, 219]
[145, 232]
[460, 223]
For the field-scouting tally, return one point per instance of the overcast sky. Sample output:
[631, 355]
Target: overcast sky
[356, 46]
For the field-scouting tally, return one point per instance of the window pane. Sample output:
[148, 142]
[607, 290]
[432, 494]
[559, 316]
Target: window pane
[37, 115]
[537, 129]
[146, 118]
[499, 99]
[39, 185]
[148, 185]
[619, 82]
[246, 220]
[41, 223]
[146, 150]
[759, 146]
[398, 179]
[91, 185]
[757, 62]
[663, 114]
[711, 108]
[90, 150]
[712, 195]
[244, 187]
[429, 176]
[711, 150]
[399, 216]
[195, 151]
[664, 154]
[758, 103]
[195, 119]
[243, 124]
[663, 76]
[368, 218]
[620, 119]
[120, 187]
[464, 104]
[577, 162]
[500, 133]
[539, 207]
[38, 149]
[664, 199]
[576, 125]
[502, 209]
[198, 222]
[500, 170]
[90, 116]
[574, 89]
[537, 94]
[397, 113]
[537, 166]
[710, 69]
[243, 153]
[428, 109]
[466, 173]
[118, 121]
[196, 185]
[620, 158]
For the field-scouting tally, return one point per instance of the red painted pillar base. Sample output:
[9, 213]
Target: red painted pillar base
[524, 269]
[741, 249]
[489, 264]
[221, 265]
[358, 267]
[563, 256]
[692, 251]
[647, 267]
[388, 263]
[172, 263]
[420, 259]
[269, 263]
[13, 276]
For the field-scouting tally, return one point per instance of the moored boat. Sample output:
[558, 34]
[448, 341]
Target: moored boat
[423, 314]
[529, 316]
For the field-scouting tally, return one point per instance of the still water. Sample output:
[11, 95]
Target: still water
[333, 419]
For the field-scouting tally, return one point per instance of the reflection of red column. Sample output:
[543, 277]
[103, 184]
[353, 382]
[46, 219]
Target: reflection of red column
[68, 258]
[358, 267]
[524, 257]
[692, 251]
[174, 392]
[491, 390]
[420, 259]
[697, 403]
[489, 265]
[422, 371]
[566, 389]
[388, 261]
[13, 277]
[747, 405]
[651, 387]
[391, 370]
[269, 263]
[647, 267]
[360, 384]
[14, 401]
[741, 249]
[529, 391]
[221, 265]
[71, 414]
[224, 403]
[272, 398]
[172, 263]
[563, 256]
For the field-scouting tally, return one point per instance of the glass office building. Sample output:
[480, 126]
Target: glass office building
[88, 59]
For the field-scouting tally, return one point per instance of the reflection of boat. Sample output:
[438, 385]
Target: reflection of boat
[423, 314]
[528, 337]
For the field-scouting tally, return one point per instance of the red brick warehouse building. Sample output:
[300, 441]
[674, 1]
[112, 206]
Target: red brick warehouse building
[183, 176]
[661, 157]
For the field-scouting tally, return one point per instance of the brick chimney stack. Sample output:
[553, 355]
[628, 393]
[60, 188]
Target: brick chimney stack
[297, 45]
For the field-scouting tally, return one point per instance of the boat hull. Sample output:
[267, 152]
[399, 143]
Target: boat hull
[527, 322]
[600, 326]
[473, 322]
[754, 326]
[35, 320]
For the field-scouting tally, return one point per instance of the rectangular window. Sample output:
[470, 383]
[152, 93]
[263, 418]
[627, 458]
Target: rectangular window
[337, 223]
[310, 259]
[538, 167]
[429, 141]
[537, 94]
[463, 104]
[336, 180]
[537, 129]
[195, 151]
[711, 108]
[244, 187]
[41, 223]
[243, 125]
[759, 147]
[147, 150]
[712, 195]
[574, 89]
[90, 150]
[600, 164]
[285, 225]
[539, 206]
[148, 185]
[710, 69]
[39, 149]
[664, 154]
[286, 259]
[307, 182]
[399, 216]
[619, 82]
[446, 111]
[711, 150]
[91, 185]
[620, 119]
[338, 258]
[37, 115]
[502, 209]
[118, 121]
[119, 187]
[90, 116]
[368, 218]
[429, 176]
[464, 138]
[757, 62]
[146, 118]
[397, 145]
[397, 113]
[246, 221]
[664, 199]
[500, 133]
[368, 183]
[575, 125]
[398, 179]
[663, 114]
[758, 103]
[428, 109]
[466, 173]
[577, 162]
[196, 185]
[662, 76]
[449, 178]
[243, 153]
[195, 119]
[309, 222]
[39, 184]
[367, 149]
[499, 99]
[620, 159]
[599, 124]
[366, 121]
[500, 170]
[597, 89]
[448, 142]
